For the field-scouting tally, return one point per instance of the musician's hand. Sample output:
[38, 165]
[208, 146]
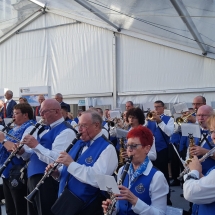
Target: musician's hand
[55, 173]
[105, 205]
[2, 137]
[9, 146]
[15, 147]
[124, 154]
[195, 164]
[30, 141]
[198, 150]
[65, 159]
[126, 194]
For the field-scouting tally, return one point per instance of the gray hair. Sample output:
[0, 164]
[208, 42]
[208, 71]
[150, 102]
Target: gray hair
[95, 116]
[59, 95]
[10, 92]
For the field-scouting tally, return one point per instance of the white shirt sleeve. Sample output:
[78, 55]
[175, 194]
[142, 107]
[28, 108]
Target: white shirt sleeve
[152, 153]
[157, 192]
[200, 191]
[105, 165]
[60, 144]
[26, 155]
[168, 128]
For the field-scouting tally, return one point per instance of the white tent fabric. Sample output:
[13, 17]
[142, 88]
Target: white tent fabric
[71, 49]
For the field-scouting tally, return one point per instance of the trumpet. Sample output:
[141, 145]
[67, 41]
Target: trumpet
[33, 193]
[13, 153]
[111, 207]
[184, 119]
[202, 159]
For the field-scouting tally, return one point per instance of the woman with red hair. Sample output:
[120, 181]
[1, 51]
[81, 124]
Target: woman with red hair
[145, 188]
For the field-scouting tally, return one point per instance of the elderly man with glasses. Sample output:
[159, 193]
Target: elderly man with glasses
[44, 150]
[92, 155]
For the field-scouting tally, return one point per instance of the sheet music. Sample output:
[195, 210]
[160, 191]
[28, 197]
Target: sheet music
[190, 128]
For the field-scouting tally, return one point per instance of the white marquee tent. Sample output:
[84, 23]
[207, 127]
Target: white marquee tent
[112, 50]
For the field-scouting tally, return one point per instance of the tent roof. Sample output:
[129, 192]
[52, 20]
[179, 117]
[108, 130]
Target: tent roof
[187, 23]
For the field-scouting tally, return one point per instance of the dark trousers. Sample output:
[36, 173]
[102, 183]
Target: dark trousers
[45, 197]
[162, 164]
[175, 162]
[1, 194]
[15, 202]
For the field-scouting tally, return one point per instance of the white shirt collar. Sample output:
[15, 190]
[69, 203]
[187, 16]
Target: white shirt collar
[57, 122]
[148, 168]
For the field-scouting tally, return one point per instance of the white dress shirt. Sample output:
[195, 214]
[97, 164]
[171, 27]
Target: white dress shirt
[168, 128]
[158, 190]
[200, 191]
[60, 144]
[105, 165]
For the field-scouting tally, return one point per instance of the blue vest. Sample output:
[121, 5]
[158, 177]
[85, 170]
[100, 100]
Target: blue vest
[140, 188]
[15, 160]
[175, 138]
[88, 158]
[161, 139]
[37, 166]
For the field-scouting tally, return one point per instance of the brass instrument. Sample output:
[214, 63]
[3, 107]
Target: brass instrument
[184, 119]
[186, 168]
[33, 193]
[111, 207]
[202, 159]
[121, 150]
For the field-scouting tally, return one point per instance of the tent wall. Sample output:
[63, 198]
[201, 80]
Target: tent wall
[73, 59]
[77, 60]
[148, 72]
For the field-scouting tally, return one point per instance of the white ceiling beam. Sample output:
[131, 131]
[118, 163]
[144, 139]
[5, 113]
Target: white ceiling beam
[185, 16]
[97, 12]
[20, 26]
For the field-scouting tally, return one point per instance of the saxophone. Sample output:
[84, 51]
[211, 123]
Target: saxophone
[111, 206]
[191, 144]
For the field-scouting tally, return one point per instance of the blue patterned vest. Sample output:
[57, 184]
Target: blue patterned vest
[88, 158]
[37, 166]
[161, 139]
[140, 188]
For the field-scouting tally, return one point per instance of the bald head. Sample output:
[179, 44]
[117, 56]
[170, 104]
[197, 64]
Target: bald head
[203, 113]
[50, 111]
[198, 101]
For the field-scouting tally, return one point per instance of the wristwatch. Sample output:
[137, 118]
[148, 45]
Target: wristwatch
[3, 142]
[191, 177]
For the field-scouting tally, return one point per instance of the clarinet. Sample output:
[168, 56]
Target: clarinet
[13, 153]
[111, 207]
[202, 159]
[33, 193]
[8, 125]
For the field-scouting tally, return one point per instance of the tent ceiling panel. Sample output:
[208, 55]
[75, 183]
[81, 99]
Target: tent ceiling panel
[154, 18]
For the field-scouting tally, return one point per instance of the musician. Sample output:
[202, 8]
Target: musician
[203, 145]
[135, 117]
[59, 98]
[76, 119]
[129, 105]
[105, 117]
[64, 112]
[44, 150]
[8, 106]
[41, 98]
[90, 156]
[140, 192]
[198, 187]
[14, 198]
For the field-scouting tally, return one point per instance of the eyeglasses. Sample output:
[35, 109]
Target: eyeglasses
[85, 126]
[134, 146]
[212, 132]
[202, 115]
[196, 104]
[42, 112]
[16, 113]
[157, 106]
